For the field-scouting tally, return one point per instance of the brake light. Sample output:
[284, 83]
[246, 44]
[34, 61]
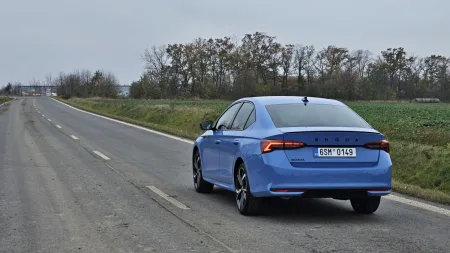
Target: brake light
[381, 145]
[271, 145]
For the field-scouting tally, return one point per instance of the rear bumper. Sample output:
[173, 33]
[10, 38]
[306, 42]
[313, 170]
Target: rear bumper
[272, 177]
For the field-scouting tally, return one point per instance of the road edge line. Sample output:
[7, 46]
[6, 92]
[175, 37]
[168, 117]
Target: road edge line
[129, 124]
[418, 204]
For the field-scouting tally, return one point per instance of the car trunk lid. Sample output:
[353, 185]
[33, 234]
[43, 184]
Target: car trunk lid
[332, 147]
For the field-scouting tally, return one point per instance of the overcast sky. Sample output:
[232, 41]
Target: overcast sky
[39, 37]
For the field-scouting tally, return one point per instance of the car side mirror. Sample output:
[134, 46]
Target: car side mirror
[206, 125]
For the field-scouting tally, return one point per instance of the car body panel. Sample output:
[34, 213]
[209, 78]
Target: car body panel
[209, 154]
[228, 154]
[284, 169]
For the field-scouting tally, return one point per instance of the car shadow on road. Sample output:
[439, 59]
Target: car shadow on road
[300, 209]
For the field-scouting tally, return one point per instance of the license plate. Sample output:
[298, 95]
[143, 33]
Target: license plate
[335, 152]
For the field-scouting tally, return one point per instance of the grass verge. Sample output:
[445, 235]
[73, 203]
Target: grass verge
[419, 134]
[5, 99]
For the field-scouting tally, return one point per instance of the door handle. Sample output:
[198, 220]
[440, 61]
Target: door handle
[217, 141]
[236, 142]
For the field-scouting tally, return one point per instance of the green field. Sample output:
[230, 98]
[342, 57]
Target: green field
[419, 133]
[4, 99]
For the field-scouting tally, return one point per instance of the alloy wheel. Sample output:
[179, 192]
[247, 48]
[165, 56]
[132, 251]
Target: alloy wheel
[241, 188]
[197, 170]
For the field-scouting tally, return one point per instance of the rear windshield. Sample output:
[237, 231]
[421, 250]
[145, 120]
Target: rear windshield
[314, 115]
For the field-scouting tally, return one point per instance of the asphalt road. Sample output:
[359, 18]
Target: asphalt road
[73, 182]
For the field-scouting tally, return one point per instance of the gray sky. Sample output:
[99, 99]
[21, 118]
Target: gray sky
[48, 36]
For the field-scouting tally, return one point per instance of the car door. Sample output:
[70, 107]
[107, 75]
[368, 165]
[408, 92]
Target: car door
[209, 154]
[213, 143]
[231, 140]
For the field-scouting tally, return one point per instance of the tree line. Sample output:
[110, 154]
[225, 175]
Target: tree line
[80, 83]
[224, 68]
[256, 65]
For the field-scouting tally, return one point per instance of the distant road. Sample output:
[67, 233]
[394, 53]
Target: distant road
[74, 182]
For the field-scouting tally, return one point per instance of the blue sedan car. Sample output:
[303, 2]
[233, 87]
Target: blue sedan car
[287, 146]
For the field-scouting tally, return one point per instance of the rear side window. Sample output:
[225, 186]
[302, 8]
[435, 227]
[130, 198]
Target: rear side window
[242, 116]
[251, 119]
[314, 115]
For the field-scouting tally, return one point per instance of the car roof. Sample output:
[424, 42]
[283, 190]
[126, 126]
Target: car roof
[271, 100]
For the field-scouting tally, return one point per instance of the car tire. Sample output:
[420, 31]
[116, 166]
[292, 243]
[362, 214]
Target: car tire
[365, 205]
[246, 203]
[200, 185]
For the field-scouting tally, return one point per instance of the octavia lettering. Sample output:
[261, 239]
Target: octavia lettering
[336, 139]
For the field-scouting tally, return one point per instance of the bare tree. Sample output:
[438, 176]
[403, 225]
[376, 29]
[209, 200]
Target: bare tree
[287, 53]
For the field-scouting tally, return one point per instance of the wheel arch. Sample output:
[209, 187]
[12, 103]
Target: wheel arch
[195, 149]
[237, 162]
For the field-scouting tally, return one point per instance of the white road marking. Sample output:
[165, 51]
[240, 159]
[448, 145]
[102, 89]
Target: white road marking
[102, 155]
[58, 126]
[74, 137]
[168, 198]
[43, 115]
[418, 204]
[129, 124]
[49, 120]
[390, 197]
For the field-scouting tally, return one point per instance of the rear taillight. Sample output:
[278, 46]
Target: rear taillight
[271, 145]
[381, 145]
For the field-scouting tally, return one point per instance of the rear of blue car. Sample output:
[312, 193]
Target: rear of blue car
[321, 150]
